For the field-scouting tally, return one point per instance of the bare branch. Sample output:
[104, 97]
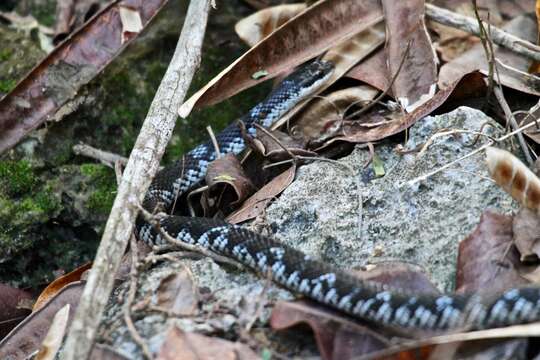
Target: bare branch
[142, 165]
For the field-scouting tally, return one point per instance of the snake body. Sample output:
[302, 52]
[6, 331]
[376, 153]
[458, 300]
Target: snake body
[300, 273]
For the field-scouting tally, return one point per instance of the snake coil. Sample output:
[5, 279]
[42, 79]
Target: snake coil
[298, 272]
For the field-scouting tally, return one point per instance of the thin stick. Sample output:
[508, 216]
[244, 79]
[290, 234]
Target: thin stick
[132, 291]
[513, 123]
[214, 141]
[105, 157]
[142, 165]
[474, 152]
[385, 92]
[468, 24]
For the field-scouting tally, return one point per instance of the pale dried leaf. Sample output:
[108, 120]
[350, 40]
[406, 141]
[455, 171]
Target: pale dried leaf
[259, 25]
[526, 226]
[53, 339]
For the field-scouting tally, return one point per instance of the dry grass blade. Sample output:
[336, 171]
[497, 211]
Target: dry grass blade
[311, 32]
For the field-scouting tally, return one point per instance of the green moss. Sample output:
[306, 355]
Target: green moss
[7, 85]
[16, 177]
[5, 54]
[104, 183]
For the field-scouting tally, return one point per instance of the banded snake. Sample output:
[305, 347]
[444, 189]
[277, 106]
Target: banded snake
[298, 272]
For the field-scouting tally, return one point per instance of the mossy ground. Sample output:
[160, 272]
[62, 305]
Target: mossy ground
[53, 205]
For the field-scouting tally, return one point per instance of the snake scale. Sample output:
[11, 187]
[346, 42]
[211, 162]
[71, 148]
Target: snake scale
[290, 268]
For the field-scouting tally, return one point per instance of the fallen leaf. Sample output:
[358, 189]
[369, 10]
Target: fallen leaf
[71, 65]
[259, 25]
[104, 352]
[321, 119]
[26, 338]
[416, 82]
[255, 205]
[192, 346]
[131, 22]
[526, 228]
[11, 312]
[337, 337]
[178, 293]
[53, 339]
[373, 71]
[305, 36]
[58, 284]
[470, 86]
[475, 59]
[487, 259]
[227, 170]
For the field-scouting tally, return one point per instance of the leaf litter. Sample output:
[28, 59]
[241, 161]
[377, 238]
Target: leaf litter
[493, 253]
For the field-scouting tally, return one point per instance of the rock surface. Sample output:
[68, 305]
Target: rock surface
[346, 219]
[355, 219]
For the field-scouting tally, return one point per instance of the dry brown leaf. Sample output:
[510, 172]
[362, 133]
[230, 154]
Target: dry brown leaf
[338, 338]
[191, 346]
[227, 170]
[417, 79]
[514, 177]
[276, 145]
[475, 59]
[470, 86]
[322, 118]
[27, 337]
[255, 205]
[178, 293]
[53, 339]
[311, 32]
[58, 284]
[344, 56]
[526, 226]
[259, 25]
[373, 71]
[11, 311]
[487, 259]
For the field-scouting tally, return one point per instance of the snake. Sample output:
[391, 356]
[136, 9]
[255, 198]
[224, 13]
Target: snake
[365, 300]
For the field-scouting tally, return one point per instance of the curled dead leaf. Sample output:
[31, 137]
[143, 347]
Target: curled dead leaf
[58, 284]
[228, 170]
[55, 335]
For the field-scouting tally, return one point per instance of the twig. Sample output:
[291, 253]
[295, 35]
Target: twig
[474, 152]
[214, 141]
[105, 157]
[513, 123]
[468, 24]
[133, 274]
[141, 168]
[385, 92]
[488, 50]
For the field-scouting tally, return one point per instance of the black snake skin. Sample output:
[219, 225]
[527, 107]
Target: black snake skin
[298, 272]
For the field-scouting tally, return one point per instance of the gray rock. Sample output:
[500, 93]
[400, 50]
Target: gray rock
[353, 219]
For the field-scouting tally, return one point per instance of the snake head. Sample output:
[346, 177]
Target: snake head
[310, 77]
